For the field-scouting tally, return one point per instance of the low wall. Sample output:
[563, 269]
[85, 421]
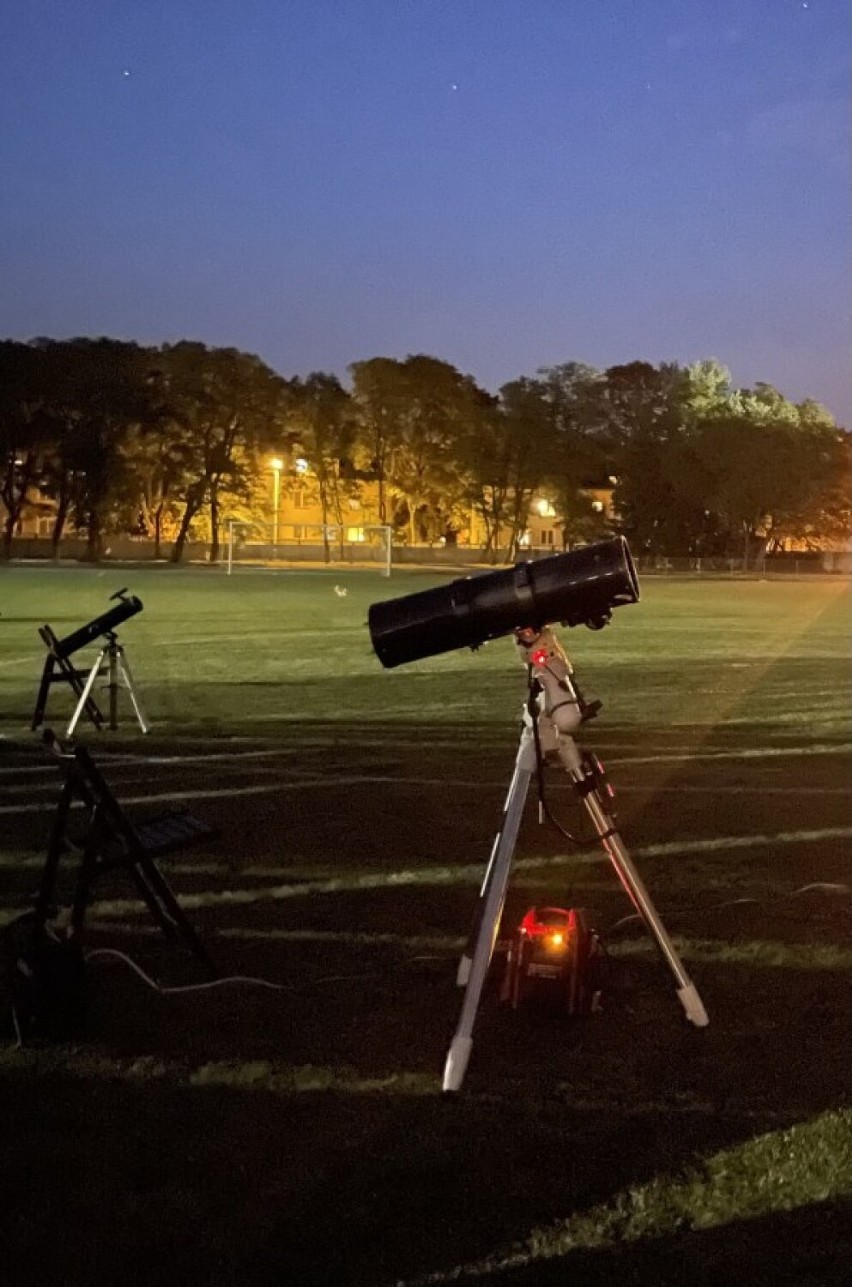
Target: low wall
[119, 548]
[132, 549]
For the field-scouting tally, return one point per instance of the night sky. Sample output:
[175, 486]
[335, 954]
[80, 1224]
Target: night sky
[504, 184]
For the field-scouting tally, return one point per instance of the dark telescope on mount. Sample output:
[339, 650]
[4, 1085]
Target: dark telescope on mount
[580, 587]
[59, 669]
[127, 606]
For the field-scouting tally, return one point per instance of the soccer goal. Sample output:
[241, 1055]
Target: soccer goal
[286, 545]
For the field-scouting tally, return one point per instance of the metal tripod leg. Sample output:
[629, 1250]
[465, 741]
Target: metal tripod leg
[474, 968]
[87, 688]
[124, 668]
[632, 884]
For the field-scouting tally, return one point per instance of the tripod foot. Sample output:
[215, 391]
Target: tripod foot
[456, 1065]
[463, 971]
[693, 1006]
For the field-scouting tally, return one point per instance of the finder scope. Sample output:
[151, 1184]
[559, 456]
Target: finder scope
[578, 588]
[127, 606]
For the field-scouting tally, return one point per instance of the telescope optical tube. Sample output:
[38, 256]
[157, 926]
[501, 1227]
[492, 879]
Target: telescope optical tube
[580, 587]
[100, 626]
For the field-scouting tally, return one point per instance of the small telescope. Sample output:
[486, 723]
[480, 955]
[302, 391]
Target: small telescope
[105, 624]
[58, 668]
[578, 588]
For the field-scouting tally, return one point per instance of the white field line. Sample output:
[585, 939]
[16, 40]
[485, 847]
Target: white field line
[746, 753]
[19, 661]
[384, 779]
[464, 874]
[297, 784]
[257, 1075]
[271, 1077]
[165, 797]
[276, 635]
[231, 757]
[437, 942]
[107, 761]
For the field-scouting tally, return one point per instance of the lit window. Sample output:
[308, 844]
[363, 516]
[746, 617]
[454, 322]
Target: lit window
[545, 508]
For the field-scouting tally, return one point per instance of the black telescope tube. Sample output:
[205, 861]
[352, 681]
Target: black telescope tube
[100, 626]
[578, 588]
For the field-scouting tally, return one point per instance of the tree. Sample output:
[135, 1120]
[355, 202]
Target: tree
[24, 429]
[643, 413]
[578, 451]
[528, 421]
[829, 520]
[222, 404]
[769, 466]
[483, 456]
[573, 391]
[97, 392]
[157, 464]
[410, 416]
[504, 457]
[440, 405]
[707, 387]
[379, 397]
[321, 419]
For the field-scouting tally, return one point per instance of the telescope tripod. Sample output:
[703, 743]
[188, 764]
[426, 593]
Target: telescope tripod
[555, 710]
[110, 661]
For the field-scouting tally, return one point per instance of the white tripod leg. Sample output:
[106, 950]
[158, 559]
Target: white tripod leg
[489, 913]
[524, 764]
[84, 696]
[631, 882]
[124, 667]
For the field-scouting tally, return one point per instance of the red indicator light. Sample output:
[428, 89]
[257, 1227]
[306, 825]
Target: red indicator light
[540, 657]
[550, 927]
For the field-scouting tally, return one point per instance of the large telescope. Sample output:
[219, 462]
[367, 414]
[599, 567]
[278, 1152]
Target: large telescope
[578, 588]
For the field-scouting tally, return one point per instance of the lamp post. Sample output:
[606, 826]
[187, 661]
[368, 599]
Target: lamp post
[276, 465]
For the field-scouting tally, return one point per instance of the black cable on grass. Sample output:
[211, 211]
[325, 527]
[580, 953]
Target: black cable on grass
[216, 983]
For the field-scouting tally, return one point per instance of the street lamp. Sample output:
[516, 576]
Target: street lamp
[276, 465]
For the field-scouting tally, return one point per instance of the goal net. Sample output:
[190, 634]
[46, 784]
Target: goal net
[308, 545]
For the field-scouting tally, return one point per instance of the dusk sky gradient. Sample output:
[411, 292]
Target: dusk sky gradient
[499, 183]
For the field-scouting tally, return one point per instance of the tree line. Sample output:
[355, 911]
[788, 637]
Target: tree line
[170, 441]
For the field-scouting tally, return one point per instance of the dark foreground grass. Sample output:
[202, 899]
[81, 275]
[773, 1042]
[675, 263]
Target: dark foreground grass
[244, 1135]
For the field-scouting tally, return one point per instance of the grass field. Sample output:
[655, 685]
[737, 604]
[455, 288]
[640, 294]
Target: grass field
[244, 1135]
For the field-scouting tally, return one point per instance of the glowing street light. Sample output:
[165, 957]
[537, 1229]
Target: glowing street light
[276, 465]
